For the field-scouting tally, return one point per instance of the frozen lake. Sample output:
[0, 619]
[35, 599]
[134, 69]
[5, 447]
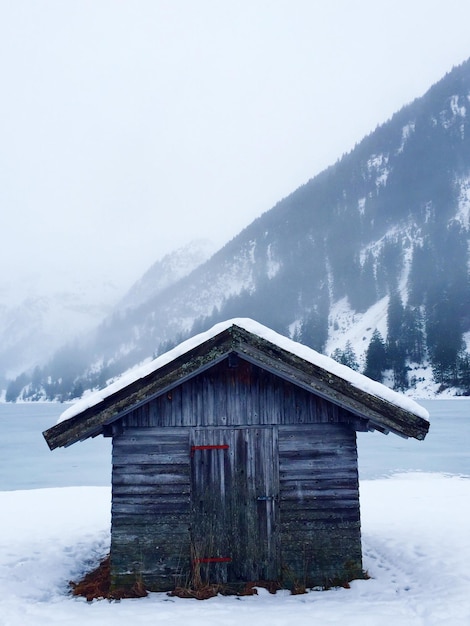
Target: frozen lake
[445, 449]
[27, 463]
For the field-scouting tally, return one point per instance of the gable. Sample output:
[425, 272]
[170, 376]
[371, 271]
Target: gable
[235, 392]
[335, 384]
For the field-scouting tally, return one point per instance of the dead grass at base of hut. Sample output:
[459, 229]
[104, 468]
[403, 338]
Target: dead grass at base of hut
[206, 591]
[96, 585]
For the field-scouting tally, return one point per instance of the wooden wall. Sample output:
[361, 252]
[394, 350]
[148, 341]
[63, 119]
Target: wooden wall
[319, 504]
[150, 507]
[290, 515]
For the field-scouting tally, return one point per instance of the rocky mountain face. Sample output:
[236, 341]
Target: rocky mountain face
[368, 261]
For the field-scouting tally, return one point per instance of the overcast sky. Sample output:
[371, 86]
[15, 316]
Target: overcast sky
[129, 127]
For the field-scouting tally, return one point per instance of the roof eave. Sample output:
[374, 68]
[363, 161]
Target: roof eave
[93, 419]
[385, 415]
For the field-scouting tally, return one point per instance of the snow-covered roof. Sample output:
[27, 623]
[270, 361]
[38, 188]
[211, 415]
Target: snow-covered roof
[368, 404]
[358, 380]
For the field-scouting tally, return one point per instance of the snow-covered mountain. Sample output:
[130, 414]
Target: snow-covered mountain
[368, 261]
[166, 271]
[37, 320]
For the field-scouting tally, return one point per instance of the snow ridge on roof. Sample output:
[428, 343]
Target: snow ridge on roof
[360, 381]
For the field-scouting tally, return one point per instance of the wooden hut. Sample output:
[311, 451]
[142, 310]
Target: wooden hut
[235, 460]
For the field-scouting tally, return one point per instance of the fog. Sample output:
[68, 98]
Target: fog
[130, 128]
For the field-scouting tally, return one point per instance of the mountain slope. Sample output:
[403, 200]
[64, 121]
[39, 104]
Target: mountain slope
[36, 321]
[168, 270]
[382, 235]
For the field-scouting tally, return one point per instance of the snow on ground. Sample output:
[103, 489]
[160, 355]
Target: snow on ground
[424, 386]
[416, 549]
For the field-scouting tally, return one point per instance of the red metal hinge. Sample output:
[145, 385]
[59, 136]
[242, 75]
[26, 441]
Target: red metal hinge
[223, 446]
[213, 559]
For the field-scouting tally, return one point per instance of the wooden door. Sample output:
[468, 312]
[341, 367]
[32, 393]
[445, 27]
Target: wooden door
[234, 504]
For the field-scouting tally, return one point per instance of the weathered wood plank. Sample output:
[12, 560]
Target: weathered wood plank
[125, 466]
[157, 435]
[323, 443]
[146, 505]
[125, 520]
[310, 514]
[296, 526]
[164, 528]
[317, 493]
[154, 490]
[325, 482]
[318, 504]
[141, 457]
[160, 478]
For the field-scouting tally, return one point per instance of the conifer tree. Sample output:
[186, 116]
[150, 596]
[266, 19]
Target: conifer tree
[346, 356]
[376, 357]
[413, 334]
[444, 336]
[464, 372]
[314, 330]
[396, 349]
